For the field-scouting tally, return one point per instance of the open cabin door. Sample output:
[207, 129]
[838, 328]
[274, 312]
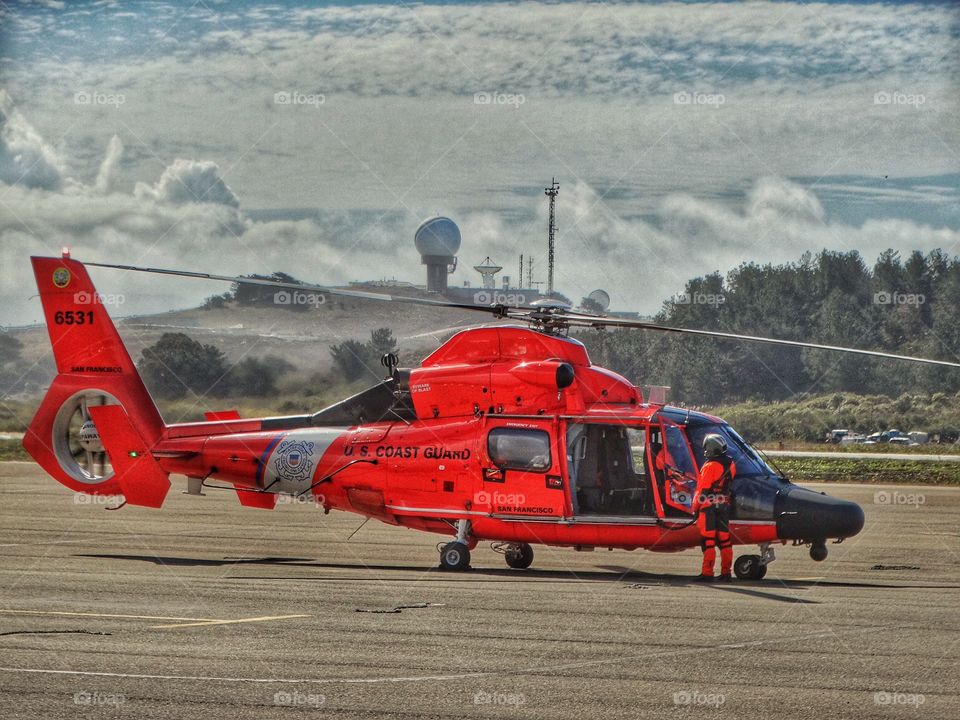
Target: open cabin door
[607, 469]
[675, 470]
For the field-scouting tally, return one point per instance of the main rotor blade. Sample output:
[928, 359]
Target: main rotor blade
[339, 292]
[547, 317]
[598, 322]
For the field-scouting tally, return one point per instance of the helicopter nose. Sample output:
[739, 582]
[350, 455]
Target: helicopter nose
[803, 514]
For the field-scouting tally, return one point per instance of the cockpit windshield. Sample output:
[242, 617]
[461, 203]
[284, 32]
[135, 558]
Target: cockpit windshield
[748, 461]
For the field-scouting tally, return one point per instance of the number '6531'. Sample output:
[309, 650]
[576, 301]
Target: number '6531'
[73, 317]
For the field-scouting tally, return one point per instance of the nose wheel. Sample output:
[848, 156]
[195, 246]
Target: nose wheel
[519, 556]
[754, 567]
[748, 567]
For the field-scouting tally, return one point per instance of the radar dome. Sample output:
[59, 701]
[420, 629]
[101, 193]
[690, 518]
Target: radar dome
[438, 237]
[601, 298]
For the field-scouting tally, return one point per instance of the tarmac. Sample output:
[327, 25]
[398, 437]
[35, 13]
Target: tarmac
[205, 609]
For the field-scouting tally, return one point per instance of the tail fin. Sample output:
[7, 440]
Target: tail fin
[93, 369]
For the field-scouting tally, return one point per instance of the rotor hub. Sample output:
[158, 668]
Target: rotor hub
[89, 437]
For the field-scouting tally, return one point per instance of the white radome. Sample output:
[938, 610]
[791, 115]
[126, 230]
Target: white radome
[437, 236]
[601, 298]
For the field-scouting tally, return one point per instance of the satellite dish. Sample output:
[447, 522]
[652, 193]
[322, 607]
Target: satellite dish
[601, 298]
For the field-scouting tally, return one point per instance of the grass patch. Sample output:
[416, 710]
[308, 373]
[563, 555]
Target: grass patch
[12, 450]
[880, 471]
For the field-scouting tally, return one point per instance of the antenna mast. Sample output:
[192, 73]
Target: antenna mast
[551, 192]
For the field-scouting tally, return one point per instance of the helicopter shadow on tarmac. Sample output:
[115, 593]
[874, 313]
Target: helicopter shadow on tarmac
[631, 578]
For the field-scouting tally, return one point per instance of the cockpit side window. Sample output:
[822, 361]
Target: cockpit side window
[519, 449]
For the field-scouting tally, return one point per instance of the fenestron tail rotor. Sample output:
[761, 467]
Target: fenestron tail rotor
[547, 317]
[76, 440]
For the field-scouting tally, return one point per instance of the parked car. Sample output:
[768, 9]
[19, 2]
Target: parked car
[902, 440]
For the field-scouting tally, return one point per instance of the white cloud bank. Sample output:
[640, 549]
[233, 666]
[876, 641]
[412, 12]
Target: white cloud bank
[653, 191]
[191, 219]
[25, 158]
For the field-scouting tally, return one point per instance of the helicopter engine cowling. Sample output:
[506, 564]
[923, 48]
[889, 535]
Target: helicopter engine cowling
[550, 374]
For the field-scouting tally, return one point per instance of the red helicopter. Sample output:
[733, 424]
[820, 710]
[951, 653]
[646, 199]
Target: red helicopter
[505, 433]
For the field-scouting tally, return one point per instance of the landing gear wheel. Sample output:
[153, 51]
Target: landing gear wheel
[454, 556]
[749, 567]
[519, 556]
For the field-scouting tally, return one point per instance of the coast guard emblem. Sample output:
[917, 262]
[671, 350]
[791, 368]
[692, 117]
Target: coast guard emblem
[61, 277]
[293, 461]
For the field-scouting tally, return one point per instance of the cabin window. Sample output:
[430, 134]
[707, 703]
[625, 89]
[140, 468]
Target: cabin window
[518, 449]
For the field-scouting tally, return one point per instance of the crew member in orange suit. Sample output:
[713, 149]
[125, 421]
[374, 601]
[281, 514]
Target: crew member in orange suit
[712, 501]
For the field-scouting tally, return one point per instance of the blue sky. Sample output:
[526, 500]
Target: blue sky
[687, 137]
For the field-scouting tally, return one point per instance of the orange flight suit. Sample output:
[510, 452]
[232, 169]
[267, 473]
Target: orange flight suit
[713, 500]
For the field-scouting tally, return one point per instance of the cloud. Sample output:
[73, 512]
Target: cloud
[653, 190]
[189, 181]
[798, 80]
[109, 165]
[25, 159]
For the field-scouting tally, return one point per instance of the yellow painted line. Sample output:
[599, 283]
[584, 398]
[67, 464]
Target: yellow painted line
[232, 622]
[102, 615]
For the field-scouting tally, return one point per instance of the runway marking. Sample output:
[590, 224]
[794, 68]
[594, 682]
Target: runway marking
[105, 615]
[176, 621]
[200, 623]
[50, 542]
[457, 676]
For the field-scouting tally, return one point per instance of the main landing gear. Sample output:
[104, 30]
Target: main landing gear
[456, 555]
[754, 567]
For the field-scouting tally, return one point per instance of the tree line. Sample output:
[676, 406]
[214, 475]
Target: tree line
[177, 365]
[902, 305]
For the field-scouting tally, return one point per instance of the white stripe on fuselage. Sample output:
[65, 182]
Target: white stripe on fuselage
[293, 463]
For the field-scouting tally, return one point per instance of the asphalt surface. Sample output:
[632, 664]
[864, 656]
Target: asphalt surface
[112, 614]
